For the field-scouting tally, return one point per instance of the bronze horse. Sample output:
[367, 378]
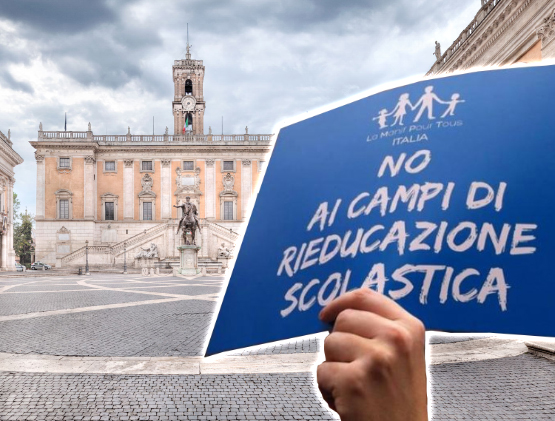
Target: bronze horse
[189, 220]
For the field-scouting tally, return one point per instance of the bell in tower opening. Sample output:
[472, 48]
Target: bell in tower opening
[188, 87]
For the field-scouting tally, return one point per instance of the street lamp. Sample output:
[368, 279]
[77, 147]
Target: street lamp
[87, 257]
[125, 258]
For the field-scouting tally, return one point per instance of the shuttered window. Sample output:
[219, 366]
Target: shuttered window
[64, 209]
[147, 211]
[228, 211]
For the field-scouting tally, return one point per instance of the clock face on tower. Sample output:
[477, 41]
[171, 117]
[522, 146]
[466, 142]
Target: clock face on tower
[188, 103]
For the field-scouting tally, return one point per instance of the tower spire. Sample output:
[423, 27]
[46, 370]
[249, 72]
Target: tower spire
[188, 55]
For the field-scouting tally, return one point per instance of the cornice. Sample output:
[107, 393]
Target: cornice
[475, 47]
[12, 155]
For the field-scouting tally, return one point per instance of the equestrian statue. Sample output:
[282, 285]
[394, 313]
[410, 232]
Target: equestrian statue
[189, 221]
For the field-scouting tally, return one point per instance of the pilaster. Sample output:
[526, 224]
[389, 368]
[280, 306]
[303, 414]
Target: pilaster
[128, 189]
[41, 176]
[89, 190]
[210, 200]
[166, 189]
[246, 186]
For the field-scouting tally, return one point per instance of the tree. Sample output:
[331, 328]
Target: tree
[16, 205]
[22, 237]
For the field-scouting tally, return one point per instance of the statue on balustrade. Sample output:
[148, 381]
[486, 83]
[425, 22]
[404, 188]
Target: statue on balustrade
[437, 51]
[189, 221]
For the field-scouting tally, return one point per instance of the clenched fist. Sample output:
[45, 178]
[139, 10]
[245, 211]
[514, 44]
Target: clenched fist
[375, 368]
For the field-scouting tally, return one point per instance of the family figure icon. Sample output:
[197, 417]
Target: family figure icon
[424, 105]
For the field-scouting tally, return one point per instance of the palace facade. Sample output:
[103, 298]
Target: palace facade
[503, 32]
[119, 191]
[8, 160]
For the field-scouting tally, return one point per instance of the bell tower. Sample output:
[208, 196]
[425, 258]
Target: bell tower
[188, 102]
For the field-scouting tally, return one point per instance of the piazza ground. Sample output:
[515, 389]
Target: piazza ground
[115, 347]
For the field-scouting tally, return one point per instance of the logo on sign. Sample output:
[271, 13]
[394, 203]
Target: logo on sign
[426, 106]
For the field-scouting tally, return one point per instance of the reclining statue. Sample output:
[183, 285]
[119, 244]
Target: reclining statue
[150, 252]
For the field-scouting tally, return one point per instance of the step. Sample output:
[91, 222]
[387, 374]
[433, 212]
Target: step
[545, 349]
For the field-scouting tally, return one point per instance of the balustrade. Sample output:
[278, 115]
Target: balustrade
[187, 138]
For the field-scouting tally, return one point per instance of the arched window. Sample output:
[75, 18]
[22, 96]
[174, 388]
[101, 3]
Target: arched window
[188, 87]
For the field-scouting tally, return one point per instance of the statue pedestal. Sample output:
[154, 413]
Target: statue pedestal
[188, 260]
[145, 262]
[224, 261]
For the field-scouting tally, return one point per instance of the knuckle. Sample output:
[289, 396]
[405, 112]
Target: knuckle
[419, 327]
[380, 364]
[330, 342]
[361, 294]
[400, 338]
[344, 318]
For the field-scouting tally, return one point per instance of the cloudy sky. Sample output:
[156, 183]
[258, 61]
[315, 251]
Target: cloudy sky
[109, 61]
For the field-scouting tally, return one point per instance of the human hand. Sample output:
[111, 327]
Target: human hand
[375, 368]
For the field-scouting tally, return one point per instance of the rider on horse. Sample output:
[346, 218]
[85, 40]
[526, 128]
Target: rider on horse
[189, 218]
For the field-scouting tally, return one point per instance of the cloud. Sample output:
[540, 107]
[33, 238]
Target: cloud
[110, 62]
[6, 79]
[58, 16]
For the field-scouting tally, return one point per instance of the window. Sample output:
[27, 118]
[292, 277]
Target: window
[188, 165]
[109, 211]
[109, 203]
[228, 166]
[64, 208]
[146, 166]
[64, 204]
[147, 211]
[110, 166]
[64, 163]
[261, 165]
[188, 87]
[228, 211]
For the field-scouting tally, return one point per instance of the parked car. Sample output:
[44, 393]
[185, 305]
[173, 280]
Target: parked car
[19, 267]
[39, 266]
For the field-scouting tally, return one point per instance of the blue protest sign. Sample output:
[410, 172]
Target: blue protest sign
[439, 194]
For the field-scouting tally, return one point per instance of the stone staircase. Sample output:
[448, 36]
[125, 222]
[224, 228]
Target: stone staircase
[110, 257]
[115, 250]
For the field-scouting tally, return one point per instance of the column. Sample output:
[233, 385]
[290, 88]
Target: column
[210, 191]
[90, 163]
[128, 189]
[246, 186]
[166, 190]
[5, 252]
[41, 176]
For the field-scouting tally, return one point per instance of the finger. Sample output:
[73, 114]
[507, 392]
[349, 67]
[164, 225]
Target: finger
[327, 375]
[345, 347]
[363, 323]
[364, 299]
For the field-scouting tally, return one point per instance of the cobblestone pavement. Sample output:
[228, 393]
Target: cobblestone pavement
[108, 315]
[207, 397]
[516, 388]
[167, 328]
